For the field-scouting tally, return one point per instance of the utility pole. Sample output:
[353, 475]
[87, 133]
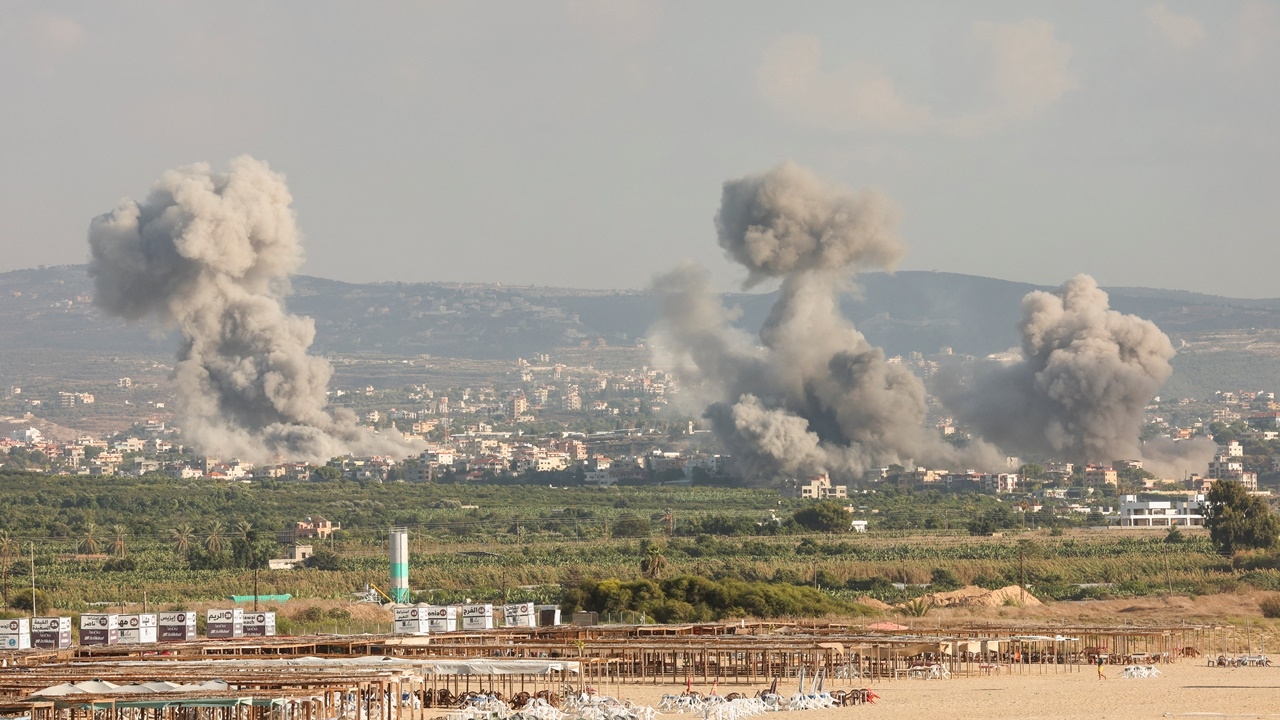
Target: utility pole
[255, 590]
[1168, 579]
[1022, 572]
[33, 579]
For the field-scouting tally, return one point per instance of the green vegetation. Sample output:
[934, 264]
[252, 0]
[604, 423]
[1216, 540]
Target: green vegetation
[112, 539]
[1239, 521]
[696, 599]
[826, 516]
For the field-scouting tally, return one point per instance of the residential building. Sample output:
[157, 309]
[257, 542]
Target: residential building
[1265, 421]
[1161, 513]
[517, 405]
[818, 487]
[1099, 475]
[317, 527]
[1000, 482]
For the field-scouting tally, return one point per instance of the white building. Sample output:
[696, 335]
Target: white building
[1161, 513]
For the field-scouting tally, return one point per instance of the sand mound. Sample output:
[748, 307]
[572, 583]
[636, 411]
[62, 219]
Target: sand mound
[1011, 594]
[974, 596]
[963, 596]
[873, 603]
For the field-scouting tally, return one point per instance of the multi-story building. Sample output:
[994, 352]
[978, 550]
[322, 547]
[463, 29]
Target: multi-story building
[1099, 475]
[517, 405]
[1000, 482]
[1161, 513]
[316, 527]
[818, 487]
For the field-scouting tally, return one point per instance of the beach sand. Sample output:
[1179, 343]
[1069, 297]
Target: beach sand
[1186, 689]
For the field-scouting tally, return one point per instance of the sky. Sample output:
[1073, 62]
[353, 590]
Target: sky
[584, 144]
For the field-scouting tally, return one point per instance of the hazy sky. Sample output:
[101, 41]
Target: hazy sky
[584, 143]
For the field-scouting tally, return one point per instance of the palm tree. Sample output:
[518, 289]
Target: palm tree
[213, 542]
[9, 550]
[89, 543]
[118, 534]
[181, 537]
[654, 564]
[245, 543]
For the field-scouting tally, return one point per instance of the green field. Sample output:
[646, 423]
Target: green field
[513, 542]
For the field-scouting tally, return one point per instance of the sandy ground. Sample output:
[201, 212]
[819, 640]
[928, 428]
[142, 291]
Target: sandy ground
[1185, 689]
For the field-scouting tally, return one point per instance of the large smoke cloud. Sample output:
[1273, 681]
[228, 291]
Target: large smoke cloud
[1079, 390]
[210, 254]
[814, 395]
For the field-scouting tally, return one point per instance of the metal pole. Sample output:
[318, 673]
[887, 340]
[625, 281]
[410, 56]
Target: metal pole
[33, 579]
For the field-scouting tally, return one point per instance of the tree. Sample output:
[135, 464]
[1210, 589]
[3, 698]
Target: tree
[323, 559]
[182, 537]
[9, 550]
[249, 550]
[1237, 520]
[89, 543]
[943, 580]
[1032, 471]
[654, 564]
[38, 603]
[823, 516]
[631, 525]
[119, 533]
[213, 542]
[326, 472]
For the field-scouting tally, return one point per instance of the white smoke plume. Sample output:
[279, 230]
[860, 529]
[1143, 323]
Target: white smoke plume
[210, 255]
[1078, 393]
[813, 395]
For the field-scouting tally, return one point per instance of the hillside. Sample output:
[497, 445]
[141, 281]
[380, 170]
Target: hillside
[1226, 342]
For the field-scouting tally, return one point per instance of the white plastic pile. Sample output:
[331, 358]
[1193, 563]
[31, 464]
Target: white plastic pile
[1140, 671]
[576, 707]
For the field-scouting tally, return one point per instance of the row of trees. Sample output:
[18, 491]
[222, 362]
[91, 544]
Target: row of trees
[689, 598]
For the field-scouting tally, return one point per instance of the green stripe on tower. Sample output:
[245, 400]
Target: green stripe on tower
[399, 570]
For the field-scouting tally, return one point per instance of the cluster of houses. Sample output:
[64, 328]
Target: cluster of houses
[465, 438]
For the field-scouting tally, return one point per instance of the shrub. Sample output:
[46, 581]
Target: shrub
[1262, 579]
[1270, 606]
[323, 559]
[942, 580]
[312, 614]
[823, 516]
[22, 600]
[692, 599]
[917, 608]
[120, 564]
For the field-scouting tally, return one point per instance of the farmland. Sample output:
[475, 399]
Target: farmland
[99, 540]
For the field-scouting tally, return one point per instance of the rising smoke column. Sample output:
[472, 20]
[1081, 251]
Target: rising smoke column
[1079, 390]
[813, 395]
[210, 255]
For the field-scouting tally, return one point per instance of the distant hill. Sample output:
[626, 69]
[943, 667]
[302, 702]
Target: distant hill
[50, 309]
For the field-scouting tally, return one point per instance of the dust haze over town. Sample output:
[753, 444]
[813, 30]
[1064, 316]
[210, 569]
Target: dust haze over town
[939, 270]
